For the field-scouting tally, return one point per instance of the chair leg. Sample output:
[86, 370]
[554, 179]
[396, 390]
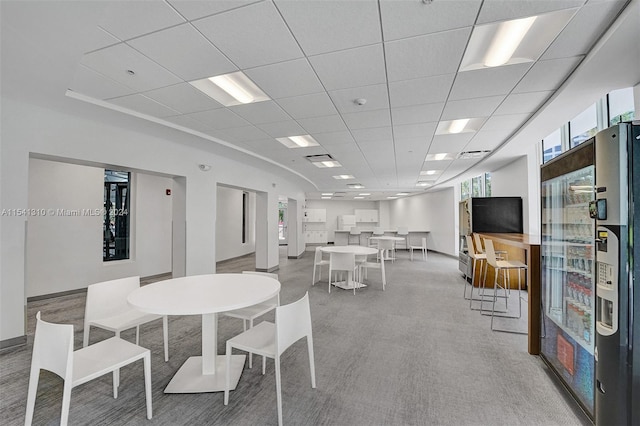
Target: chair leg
[147, 384]
[278, 390]
[384, 273]
[66, 400]
[228, 377]
[165, 336]
[313, 279]
[312, 366]
[137, 335]
[85, 335]
[31, 395]
[251, 354]
[264, 364]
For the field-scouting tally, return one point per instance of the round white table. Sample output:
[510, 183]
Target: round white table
[349, 284]
[205, 295]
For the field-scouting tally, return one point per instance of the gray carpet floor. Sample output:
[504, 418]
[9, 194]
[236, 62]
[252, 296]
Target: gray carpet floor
[414, 354]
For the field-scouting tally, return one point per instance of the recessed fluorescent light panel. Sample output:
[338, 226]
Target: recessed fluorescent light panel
[364, 193]
[301, 141]
[392, 198]
[322, 160]
[423, 183]
[440, 156]
[231, 89]
[325, 198]
[358, 198]
[355, 186]
[401, 194]
[343, 177]
[429, 172]
[325, 194]
[513, 42]
[462, 125]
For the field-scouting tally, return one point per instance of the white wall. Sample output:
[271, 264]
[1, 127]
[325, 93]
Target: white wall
[92, 136]
[61, 241]
[229, 224]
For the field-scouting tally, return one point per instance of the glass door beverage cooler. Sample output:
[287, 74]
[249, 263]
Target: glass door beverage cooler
[590, 266]
[567, 251]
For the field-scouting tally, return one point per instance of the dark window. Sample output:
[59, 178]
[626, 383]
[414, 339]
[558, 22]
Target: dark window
[116, 215]
[245, 215]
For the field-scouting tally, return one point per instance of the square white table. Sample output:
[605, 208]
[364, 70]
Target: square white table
[205, 295]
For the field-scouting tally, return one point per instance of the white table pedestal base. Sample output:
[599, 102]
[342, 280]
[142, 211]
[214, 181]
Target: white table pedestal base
[348, 285]
[189, 378]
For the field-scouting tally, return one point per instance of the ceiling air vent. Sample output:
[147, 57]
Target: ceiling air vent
[469, 155]
[323, 160]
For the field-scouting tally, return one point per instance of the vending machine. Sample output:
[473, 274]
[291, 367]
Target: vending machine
[590, 271]
[617, 190]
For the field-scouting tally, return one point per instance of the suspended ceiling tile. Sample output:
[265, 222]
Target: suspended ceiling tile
[221, 118]
[361, 66]
[505, 122]
[251, 36]
[488, 140]
[200, 60]
[435, 165]
[307, 106]
[469, 108]
[547, 75]
[417, 114]
[583, 30]
[141, 103]
[487, 82]
[194, 9]
[184, 98]
[241, 134]
[411, 131]
[321, 27]
[420, 91]
[128, 19]
[91, 83]
[367, 119]
[283, 129]
[114, 61]
[329, 123]
[333, 139]
[189, 123]
[261, 112]
[341, 148]
[502, 10]
[416, 147]
[376, 98]
[286, 79]
[374, 134]
[426, 56]
[401, 19]
[450, 143]
[518, 103]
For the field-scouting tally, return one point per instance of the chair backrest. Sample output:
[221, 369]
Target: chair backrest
[490, 252]
[354, 230]
[479, 248]
[293, 322]
[342, 261]
[53, 348]
[318, 256]
[266, 274]
[402, 230]
[378, 231]
[109, 297]
[470, 248]
[386, 244]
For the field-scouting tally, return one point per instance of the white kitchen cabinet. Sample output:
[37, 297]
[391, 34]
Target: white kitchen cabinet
[314, 215]
[315, 237]
[366, 216]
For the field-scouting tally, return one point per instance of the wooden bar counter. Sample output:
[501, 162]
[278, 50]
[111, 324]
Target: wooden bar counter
[530, 244]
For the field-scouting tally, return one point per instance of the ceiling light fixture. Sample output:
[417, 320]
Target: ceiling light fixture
[506, 40]
[457, 126]
[441, 156]
[355, 186]
[325, 198]
[301, 141]
[364, 193]
[358, 198]
[392, 198]
[402, 194]
[423, 183]
[327, 193]
[230, 89]
[343, 177]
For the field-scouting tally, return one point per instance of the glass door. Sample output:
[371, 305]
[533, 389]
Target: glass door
[282, 223]
[567, 251]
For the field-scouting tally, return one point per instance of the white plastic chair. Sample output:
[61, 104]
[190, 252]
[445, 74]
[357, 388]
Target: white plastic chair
[343, 262]
[422, 247]
[354, 232]
[107, 308]
[53, 351]
[475, 257]
[404, 233]
[318, 263]
[377, 232]
[387, 248]
[293, 322]
[250, 313]
[379, 264]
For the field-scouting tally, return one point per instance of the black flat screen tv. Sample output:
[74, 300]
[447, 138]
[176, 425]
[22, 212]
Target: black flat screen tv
[496, 214]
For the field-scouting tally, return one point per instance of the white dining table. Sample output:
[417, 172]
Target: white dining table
[205, 295]
[350, 283]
